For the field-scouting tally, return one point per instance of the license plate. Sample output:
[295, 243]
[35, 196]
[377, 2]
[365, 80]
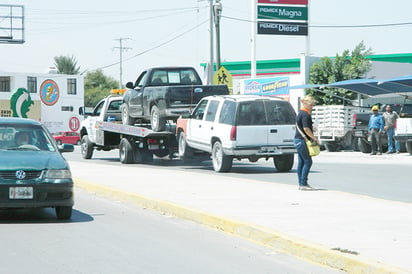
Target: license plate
[153, 147]
[21, 192]
[267, 149]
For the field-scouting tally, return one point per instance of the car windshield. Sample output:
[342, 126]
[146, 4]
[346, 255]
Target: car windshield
[24, 137]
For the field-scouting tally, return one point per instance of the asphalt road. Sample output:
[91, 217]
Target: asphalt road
[384, 176]
[106, 236]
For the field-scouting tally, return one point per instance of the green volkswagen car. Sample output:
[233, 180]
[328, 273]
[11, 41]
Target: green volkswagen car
[33, 172]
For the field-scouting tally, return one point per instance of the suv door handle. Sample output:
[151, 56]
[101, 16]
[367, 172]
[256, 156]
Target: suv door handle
[274, 131]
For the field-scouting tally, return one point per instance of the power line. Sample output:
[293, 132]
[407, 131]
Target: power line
[334, 26]
[155, 47]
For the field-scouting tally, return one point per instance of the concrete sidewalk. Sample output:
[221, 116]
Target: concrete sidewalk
[354, 233]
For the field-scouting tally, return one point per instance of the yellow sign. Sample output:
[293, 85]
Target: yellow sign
[223, 77]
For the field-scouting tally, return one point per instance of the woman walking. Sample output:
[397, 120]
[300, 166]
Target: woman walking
[305, 126]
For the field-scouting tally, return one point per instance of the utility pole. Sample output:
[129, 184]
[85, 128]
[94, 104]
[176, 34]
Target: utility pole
[211, 65]
[217, 12]
[121, 49]
[253, 40]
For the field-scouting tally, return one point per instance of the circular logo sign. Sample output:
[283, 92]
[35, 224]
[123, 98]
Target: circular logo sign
[49, 92]
[74, 123]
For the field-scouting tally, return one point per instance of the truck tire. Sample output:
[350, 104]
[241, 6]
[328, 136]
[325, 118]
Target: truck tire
[284, 163]
[221, 162]
[126, 119]
[355, 144]
[332, 146]
[86, 147]
[157, 121]
[142, 155]
[364, 146]
[185, 152]
[161, 153]
[408, 145]
[126, 152]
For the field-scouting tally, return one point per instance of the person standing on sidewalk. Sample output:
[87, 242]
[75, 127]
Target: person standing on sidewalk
[389, 118]
[375, 128]
[305, 124]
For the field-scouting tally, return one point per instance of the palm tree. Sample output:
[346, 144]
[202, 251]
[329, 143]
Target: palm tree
[66, 64]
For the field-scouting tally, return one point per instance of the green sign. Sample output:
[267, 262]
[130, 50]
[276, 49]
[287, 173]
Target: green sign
[283, 12]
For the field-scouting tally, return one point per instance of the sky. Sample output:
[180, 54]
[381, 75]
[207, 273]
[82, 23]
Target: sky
[176, 33]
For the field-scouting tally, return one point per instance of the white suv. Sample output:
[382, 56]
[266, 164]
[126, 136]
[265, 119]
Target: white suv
[239, 126]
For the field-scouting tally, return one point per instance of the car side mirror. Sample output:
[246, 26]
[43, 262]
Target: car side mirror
[66, 148]
[129, 85]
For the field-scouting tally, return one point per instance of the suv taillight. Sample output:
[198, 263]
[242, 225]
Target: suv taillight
[233, 133]
[354, 120]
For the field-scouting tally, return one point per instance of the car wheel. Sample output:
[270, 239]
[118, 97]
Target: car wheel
[157, 121]
[64, 212]
[86, 147]
[409, 147]
[284, 163]
[221, 162]
[364, 146]
[126, 119]
[185, 152]
[59, 142]
[142, 155]
[126, 152]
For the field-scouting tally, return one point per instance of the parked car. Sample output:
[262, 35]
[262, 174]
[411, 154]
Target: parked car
[239, 127]
[67, 137]
[33, 172]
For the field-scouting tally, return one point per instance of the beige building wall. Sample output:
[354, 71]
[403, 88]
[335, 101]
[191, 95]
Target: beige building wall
[34, 113]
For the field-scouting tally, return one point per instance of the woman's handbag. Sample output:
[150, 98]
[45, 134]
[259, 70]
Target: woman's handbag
[313, 148]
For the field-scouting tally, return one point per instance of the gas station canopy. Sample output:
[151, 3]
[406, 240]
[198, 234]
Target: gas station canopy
[371, 87]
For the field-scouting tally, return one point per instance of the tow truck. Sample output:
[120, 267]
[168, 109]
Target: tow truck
[102, 129]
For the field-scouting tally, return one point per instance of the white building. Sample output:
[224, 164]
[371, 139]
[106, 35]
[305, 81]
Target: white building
[53, 99]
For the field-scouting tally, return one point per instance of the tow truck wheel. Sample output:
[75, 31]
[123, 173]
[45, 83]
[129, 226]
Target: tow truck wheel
[86, 147]
[156, 120]
[126, 119]
[221, 162]
[284, 163]
[126, 152]
[185, 152]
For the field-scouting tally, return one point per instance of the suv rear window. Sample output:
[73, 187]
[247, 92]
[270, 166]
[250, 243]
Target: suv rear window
[265, 112]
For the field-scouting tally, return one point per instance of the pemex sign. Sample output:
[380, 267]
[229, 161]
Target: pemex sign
[282, 17]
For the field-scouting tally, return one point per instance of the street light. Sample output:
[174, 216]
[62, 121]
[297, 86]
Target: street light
[217, 8]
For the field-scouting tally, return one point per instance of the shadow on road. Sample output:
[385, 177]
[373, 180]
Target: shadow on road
[40, 216]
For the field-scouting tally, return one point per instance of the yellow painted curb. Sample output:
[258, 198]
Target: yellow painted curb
[267, 237]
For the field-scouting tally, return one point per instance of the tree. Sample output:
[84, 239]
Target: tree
[97, 86]
[66, 64]
[348, 66]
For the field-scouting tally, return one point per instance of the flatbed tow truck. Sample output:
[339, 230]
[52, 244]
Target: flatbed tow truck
[102, 129]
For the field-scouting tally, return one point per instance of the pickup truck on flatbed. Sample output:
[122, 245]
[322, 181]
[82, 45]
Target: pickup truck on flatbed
[164, 93]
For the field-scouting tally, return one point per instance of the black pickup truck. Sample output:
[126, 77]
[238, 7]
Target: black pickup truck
[164, 93]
